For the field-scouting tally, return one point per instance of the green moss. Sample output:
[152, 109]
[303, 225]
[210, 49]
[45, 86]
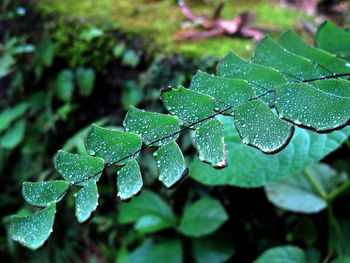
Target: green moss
[159, 21]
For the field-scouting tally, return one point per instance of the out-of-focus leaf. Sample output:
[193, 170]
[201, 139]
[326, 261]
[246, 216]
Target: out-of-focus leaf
[203, 217]
[65, 84]
[9, 115]
[131, 58]
[86, 80]
[282, 254]
[14, 135]
[132, 95]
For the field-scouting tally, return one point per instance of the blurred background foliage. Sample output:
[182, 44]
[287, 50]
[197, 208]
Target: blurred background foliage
[67, 64]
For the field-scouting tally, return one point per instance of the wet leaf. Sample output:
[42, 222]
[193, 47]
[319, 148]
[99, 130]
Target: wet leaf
[44, 193]
[291, 66]
[10, 114]
[282, 254]
[86, 80]
[188, 105]
[149, 211]
[338, 87]
[14, 135]
[112, 145]
[210, 250]
[225, 91]
[75, 168]
[86, 201]
[129, 180]
[210, 143]
[33, 230]
[304, 105]
[327, 63]
[259, 127]
[334, 40]
[260, 78]
[203, 217]
[171, 164]
[151, 126]
[298, 194]
[305, 149]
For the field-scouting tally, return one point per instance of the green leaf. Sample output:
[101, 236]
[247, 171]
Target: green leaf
[334, 40]
[171, 164]
[225, 91]
[260, 78]
[86, 201]
[169, 251]
[9, 115]
[210, 143]
[338, 87]
[292, 67]
[304, 105]
[188, 105]
[86, 80]
[132, 94]
[14, 135]
[282, 254]
[151, 126]
[131, 58]
[46, 52]
[341, 259]
[213, 249]
[6, 65]
[33, 230]
[147, 207]
[75, 168]
[65, 85]
[297, 193]
[327, 63]
[44, 193]
[203, 217]
[259, 127]
[129, 181]
[305, 149]
[111, 145]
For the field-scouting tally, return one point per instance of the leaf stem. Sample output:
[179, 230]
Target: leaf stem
[316, 184]
[332, 195]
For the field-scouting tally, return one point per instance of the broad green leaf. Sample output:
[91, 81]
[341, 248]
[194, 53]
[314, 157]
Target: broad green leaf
[112, 146]
[171, 164]
[188, 105]
[14, 135]
[282, 254]
[341, 259]
[259, 127]
[75, 168]
[65, 85]
[169, 251]
[9, 115]
[45, 52]
[333, 39]
[86, 201]
[305, 149]
[151, 224]
[338, 87]
[131, 58]
[213, 249]
[151, 126]
[44, 193]
[147, 206]
[33, 230]
[209, 141]
[6, 65]
[308, 107]
[86, 80]
[261, 78]
[327, 63]
[225, 91]
[132, 94]
[129, 180]
[203, 217]
[292, 66]
[297, 193]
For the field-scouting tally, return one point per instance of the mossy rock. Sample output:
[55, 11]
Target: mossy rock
[159, 21]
